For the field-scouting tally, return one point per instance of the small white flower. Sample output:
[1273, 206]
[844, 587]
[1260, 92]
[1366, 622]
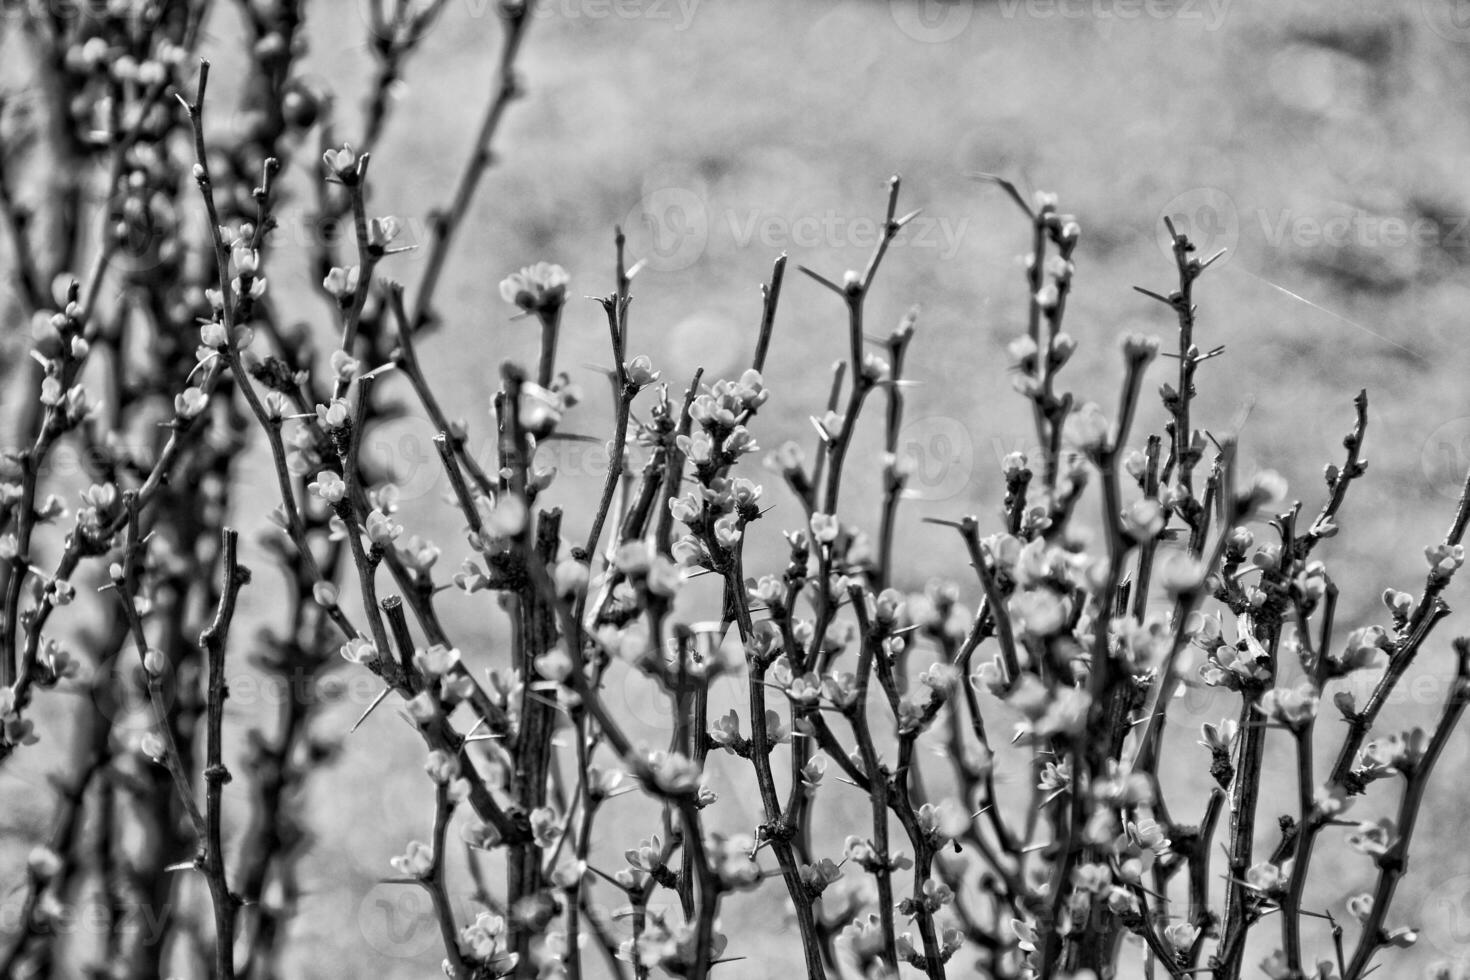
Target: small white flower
[333, 416]
[213, 334]
[417, 861]
[341, 164]
[359, 650]
[537, 288]
[342, 283]
[640, 372]
[328, 486]
[190, 402]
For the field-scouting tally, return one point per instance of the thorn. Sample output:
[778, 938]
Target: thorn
[1006, 186]
[608, 372]
[823, 280]
[381, 369]
[909, 217]
[1149, 292]
[370, 709]
[1211, 260]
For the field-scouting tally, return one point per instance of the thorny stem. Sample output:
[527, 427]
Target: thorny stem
[515, 18]
[433, 883]
[127, 591]
[770, 296]
[206, 823]
[55, 422]
[575, 894]
[1199, 870]
[1428, 612]
[624, 392]
[367, 566]
[212, 861]
[854, 291]
[367, 261]
[1184, 457]
[1395, 861]
[392, 43]
[1245, 794]
[776, 829]
[1147, 758]
[407, 360]
[894, 478]
[1291, 936]
[1309, 819]
[969, 530]
[878, 783]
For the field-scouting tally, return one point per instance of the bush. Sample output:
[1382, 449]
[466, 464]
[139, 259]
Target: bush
[1032, 853]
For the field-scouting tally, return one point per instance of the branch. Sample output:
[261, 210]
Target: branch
[212, 860]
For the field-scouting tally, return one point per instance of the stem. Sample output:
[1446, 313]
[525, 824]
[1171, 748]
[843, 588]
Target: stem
[1245, 794]
[212, 861]
[1291, 935]
[515, 18]
[1393, 864]
[434, 883]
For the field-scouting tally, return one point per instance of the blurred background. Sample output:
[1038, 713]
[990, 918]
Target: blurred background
[1322, 144]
